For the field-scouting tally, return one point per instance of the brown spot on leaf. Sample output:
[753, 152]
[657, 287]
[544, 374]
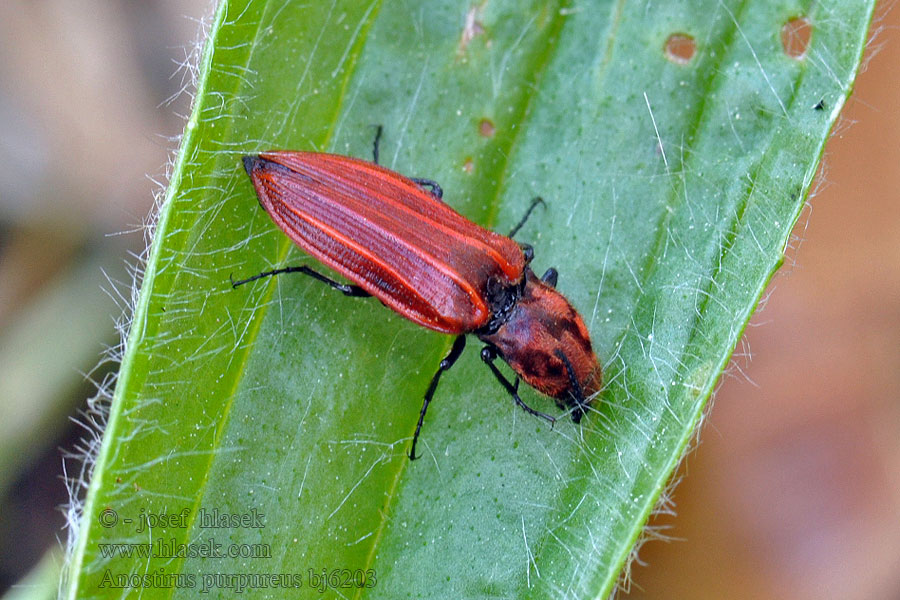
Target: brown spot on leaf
[680, 48]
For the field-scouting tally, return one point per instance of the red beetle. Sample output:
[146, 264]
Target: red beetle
[402, 244]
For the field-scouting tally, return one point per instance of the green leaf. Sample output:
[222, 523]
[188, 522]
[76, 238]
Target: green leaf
[671, 192]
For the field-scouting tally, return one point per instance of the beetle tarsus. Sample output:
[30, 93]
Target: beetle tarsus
[459, 344]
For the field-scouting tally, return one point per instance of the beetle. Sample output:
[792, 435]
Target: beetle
[394, 238]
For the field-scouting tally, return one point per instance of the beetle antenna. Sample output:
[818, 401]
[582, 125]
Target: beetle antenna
[576, 391]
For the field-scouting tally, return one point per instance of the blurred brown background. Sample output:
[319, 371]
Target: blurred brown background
[794, 490]
[84, 125]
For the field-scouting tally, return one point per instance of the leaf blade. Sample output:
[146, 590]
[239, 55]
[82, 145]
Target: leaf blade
[665, 237]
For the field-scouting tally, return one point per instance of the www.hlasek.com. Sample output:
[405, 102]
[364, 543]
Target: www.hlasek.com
[172, 548]
[319, 580]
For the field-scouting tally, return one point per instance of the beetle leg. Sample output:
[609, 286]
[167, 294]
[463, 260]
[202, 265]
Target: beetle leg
[436, 190]
[489, 355]
[550, 277]
[528, 251]
[459, 344]
[537, 200]
[344, 288]
[577, 392]
[378, 129]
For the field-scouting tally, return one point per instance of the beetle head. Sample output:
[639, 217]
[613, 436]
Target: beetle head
[547, 344]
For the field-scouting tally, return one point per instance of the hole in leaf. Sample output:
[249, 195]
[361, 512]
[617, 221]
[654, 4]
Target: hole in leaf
[680, 48]
[486, 128]
[795, 36]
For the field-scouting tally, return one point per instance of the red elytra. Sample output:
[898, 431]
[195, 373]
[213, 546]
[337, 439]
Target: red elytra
[402, 244]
